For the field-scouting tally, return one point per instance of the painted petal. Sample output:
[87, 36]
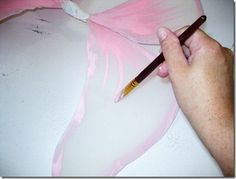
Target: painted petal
[104, 136]
[139, 20]
[108, 136]
[12, 7]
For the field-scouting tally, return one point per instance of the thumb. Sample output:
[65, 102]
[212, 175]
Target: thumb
[173, 52]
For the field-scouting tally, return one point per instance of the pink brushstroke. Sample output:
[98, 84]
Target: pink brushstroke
[136, 20]
[78, 115]
[142, 30]
[106, 70]
[12, 7]
[199, 7]
[157, 134]
[102, 38]
[139, 150]
[57, 162]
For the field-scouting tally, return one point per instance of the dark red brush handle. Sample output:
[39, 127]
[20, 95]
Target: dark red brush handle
[182, 38]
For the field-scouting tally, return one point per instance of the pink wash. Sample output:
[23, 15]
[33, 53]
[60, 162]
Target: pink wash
[140, 150]
[78, 115]
[128, 21]
[135, 19]
[139, 33]
[12, 7]
[135, 152]
[138, 20]
[26, 4]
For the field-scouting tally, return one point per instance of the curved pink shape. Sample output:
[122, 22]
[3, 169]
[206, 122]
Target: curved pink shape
[136, 20]
[151, 140]
[12, 7]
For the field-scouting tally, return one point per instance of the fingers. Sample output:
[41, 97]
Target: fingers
[186, 51]
[172, 51]
[176, 56]
[163, 70]
[196, 41]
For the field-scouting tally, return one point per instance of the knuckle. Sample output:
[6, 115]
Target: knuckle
[213, 47]
[216, 46]
[175, 40]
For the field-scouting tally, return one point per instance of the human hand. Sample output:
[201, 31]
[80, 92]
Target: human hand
[202, 80]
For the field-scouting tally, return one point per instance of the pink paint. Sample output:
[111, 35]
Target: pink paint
[118, 97]
[78, 115]
[12, 7]
[57, 164]
[106, 71]
[117, 32]
[143, 147]
[137, 21]
[121, 74]
[101, 36]
[199, 7]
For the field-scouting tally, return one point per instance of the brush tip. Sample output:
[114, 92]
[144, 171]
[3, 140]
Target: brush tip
[119, 97]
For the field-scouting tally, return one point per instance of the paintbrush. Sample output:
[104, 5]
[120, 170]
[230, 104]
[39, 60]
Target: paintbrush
[157, 61]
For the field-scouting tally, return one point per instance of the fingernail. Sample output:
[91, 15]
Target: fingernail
[162, 70]
[162, 34]
[163, 67]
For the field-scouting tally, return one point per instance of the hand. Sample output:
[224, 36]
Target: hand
[201, 73]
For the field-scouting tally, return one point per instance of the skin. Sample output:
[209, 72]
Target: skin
[201, 74]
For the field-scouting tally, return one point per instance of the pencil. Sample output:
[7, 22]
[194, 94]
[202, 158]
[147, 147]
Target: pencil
[158, 60]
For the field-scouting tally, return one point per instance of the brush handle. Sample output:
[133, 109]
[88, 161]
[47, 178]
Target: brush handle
[182, 38]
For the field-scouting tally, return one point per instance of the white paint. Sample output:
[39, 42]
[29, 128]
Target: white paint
[74, 10]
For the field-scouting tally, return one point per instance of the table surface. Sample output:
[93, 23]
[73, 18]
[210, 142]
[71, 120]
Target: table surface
[35, 108]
